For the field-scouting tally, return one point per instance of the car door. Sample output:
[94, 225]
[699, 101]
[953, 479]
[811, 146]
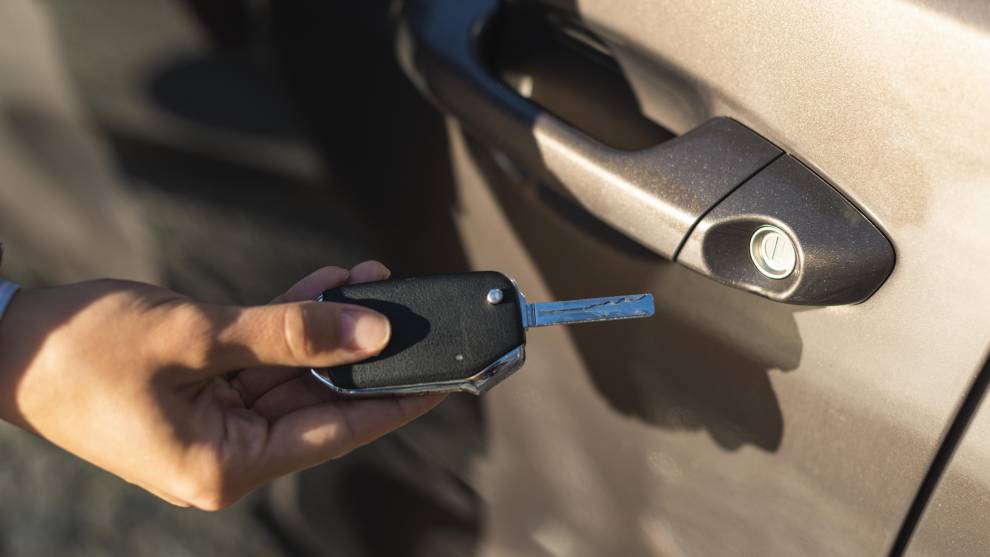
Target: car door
[954, 521]
[741, 419]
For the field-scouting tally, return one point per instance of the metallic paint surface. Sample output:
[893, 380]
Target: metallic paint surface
[957, 519]
[658, 194]
[888, 101]
[655, 195]
[826, 461]
[842, 257]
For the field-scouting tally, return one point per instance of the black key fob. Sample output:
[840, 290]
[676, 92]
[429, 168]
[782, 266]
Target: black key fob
[462, 332]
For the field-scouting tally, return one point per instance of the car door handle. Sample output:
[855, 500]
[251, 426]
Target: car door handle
[653, 195]
[658, 195]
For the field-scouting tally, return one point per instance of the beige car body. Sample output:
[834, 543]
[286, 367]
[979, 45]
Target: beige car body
[731, 424]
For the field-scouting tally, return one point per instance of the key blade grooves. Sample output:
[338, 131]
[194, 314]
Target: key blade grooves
[609, 308]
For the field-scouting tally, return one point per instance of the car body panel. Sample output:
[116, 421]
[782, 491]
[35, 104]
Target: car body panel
[955, 520]
[730, 424]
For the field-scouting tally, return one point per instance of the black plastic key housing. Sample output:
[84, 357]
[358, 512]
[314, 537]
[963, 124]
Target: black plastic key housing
[443, 328]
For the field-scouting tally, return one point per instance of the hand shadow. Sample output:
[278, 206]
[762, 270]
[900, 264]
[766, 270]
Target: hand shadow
[701, 363]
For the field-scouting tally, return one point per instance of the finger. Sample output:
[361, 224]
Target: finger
[274, 392]
[303, 334]
[292, 395]
[315, 434]
[166, 497]
[313, 284]
[369, 271]
[253, 382]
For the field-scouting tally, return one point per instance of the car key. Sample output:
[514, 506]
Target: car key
[463, 332]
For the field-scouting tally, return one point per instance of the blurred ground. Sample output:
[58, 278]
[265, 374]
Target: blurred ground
[129, 147]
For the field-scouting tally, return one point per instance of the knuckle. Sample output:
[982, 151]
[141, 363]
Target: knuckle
[303, 332]
[194, 335]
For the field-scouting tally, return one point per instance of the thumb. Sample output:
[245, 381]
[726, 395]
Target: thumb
[310, 334]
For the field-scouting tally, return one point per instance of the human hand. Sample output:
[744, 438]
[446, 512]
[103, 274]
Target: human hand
[196, 403]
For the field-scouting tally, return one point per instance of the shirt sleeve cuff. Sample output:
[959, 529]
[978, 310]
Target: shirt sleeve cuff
[7, 291]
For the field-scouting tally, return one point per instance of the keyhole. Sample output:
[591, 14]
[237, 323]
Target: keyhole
[773, 252]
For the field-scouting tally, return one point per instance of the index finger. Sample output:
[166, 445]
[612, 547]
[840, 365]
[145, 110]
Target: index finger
[315, 434]
[313, 284]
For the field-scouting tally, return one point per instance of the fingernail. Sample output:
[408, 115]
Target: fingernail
[363, 329]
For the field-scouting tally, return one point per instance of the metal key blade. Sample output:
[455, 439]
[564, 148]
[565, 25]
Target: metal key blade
[585, 311]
